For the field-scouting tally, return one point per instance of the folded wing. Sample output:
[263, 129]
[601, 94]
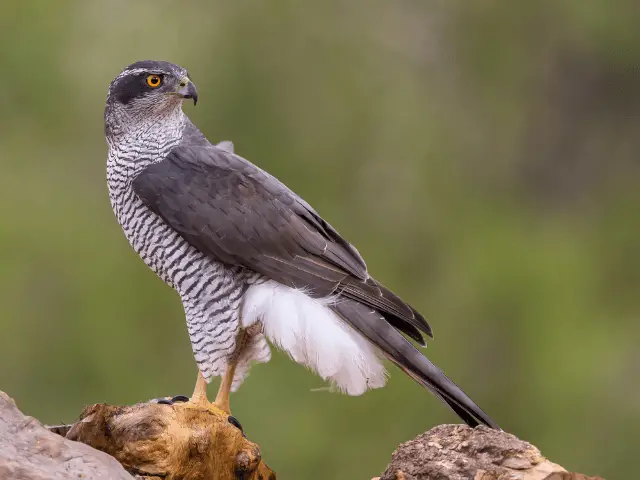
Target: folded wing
[237, 213]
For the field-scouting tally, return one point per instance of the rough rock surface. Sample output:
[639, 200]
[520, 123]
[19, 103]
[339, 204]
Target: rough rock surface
[28, 451]
[178, 441]
[458, 452]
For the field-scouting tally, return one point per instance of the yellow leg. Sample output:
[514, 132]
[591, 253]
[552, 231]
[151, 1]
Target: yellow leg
[224, 392]
[200, 392]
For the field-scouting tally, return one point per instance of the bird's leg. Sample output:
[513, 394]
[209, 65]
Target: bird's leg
[200, 391]
[224, 392]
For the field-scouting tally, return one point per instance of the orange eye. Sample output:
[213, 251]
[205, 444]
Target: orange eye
[154, 81]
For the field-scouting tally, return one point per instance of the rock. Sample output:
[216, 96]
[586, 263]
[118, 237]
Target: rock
[458, 452]
[28, 451]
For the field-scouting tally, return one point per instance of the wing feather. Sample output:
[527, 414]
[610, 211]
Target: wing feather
[229, 208]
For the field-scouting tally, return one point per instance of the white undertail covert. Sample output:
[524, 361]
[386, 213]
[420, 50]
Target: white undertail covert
[314, 336]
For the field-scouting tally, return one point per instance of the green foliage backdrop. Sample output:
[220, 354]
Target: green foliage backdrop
[483, 156]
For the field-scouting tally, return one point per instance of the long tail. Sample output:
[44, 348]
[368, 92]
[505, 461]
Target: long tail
[401, 352]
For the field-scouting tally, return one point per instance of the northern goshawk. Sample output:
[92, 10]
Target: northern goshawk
[245, 253]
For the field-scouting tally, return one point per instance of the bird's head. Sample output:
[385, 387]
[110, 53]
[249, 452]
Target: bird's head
[147, 92]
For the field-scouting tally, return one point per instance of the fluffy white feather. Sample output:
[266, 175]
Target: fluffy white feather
[314, 335]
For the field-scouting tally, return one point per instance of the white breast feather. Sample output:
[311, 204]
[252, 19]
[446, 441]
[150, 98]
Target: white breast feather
[314, 335]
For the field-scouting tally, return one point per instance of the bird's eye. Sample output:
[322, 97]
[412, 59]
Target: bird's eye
[154, 81]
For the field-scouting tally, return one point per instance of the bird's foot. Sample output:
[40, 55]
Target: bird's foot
[170, 400]
[184, 399]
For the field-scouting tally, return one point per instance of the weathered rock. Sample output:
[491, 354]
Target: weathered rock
[188, 441]
[28, 451]
[458, 452]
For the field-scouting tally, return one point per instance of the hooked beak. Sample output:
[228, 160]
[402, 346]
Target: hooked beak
[188, 90]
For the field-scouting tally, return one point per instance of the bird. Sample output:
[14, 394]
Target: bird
[252, 261]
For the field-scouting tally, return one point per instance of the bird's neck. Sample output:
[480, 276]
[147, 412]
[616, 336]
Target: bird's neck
[142, 127]
[135, 143]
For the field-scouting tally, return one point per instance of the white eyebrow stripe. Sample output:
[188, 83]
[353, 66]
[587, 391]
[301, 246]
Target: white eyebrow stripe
[133, 71]
[136, 71]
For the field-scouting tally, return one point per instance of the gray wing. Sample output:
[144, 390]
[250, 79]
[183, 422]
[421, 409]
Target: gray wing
[226, 145]
[230, 209]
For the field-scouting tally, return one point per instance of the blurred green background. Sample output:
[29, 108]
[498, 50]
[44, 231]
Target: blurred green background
[483, 157]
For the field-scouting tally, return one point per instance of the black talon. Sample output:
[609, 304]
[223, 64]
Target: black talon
[180, 398]
[165, 401]
[234, 421]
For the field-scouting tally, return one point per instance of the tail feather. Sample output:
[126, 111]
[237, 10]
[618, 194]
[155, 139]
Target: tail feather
[399, 350]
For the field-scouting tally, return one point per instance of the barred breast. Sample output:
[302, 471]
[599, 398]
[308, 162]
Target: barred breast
[211, 292]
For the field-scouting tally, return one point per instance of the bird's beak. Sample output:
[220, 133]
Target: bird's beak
[187, 90]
